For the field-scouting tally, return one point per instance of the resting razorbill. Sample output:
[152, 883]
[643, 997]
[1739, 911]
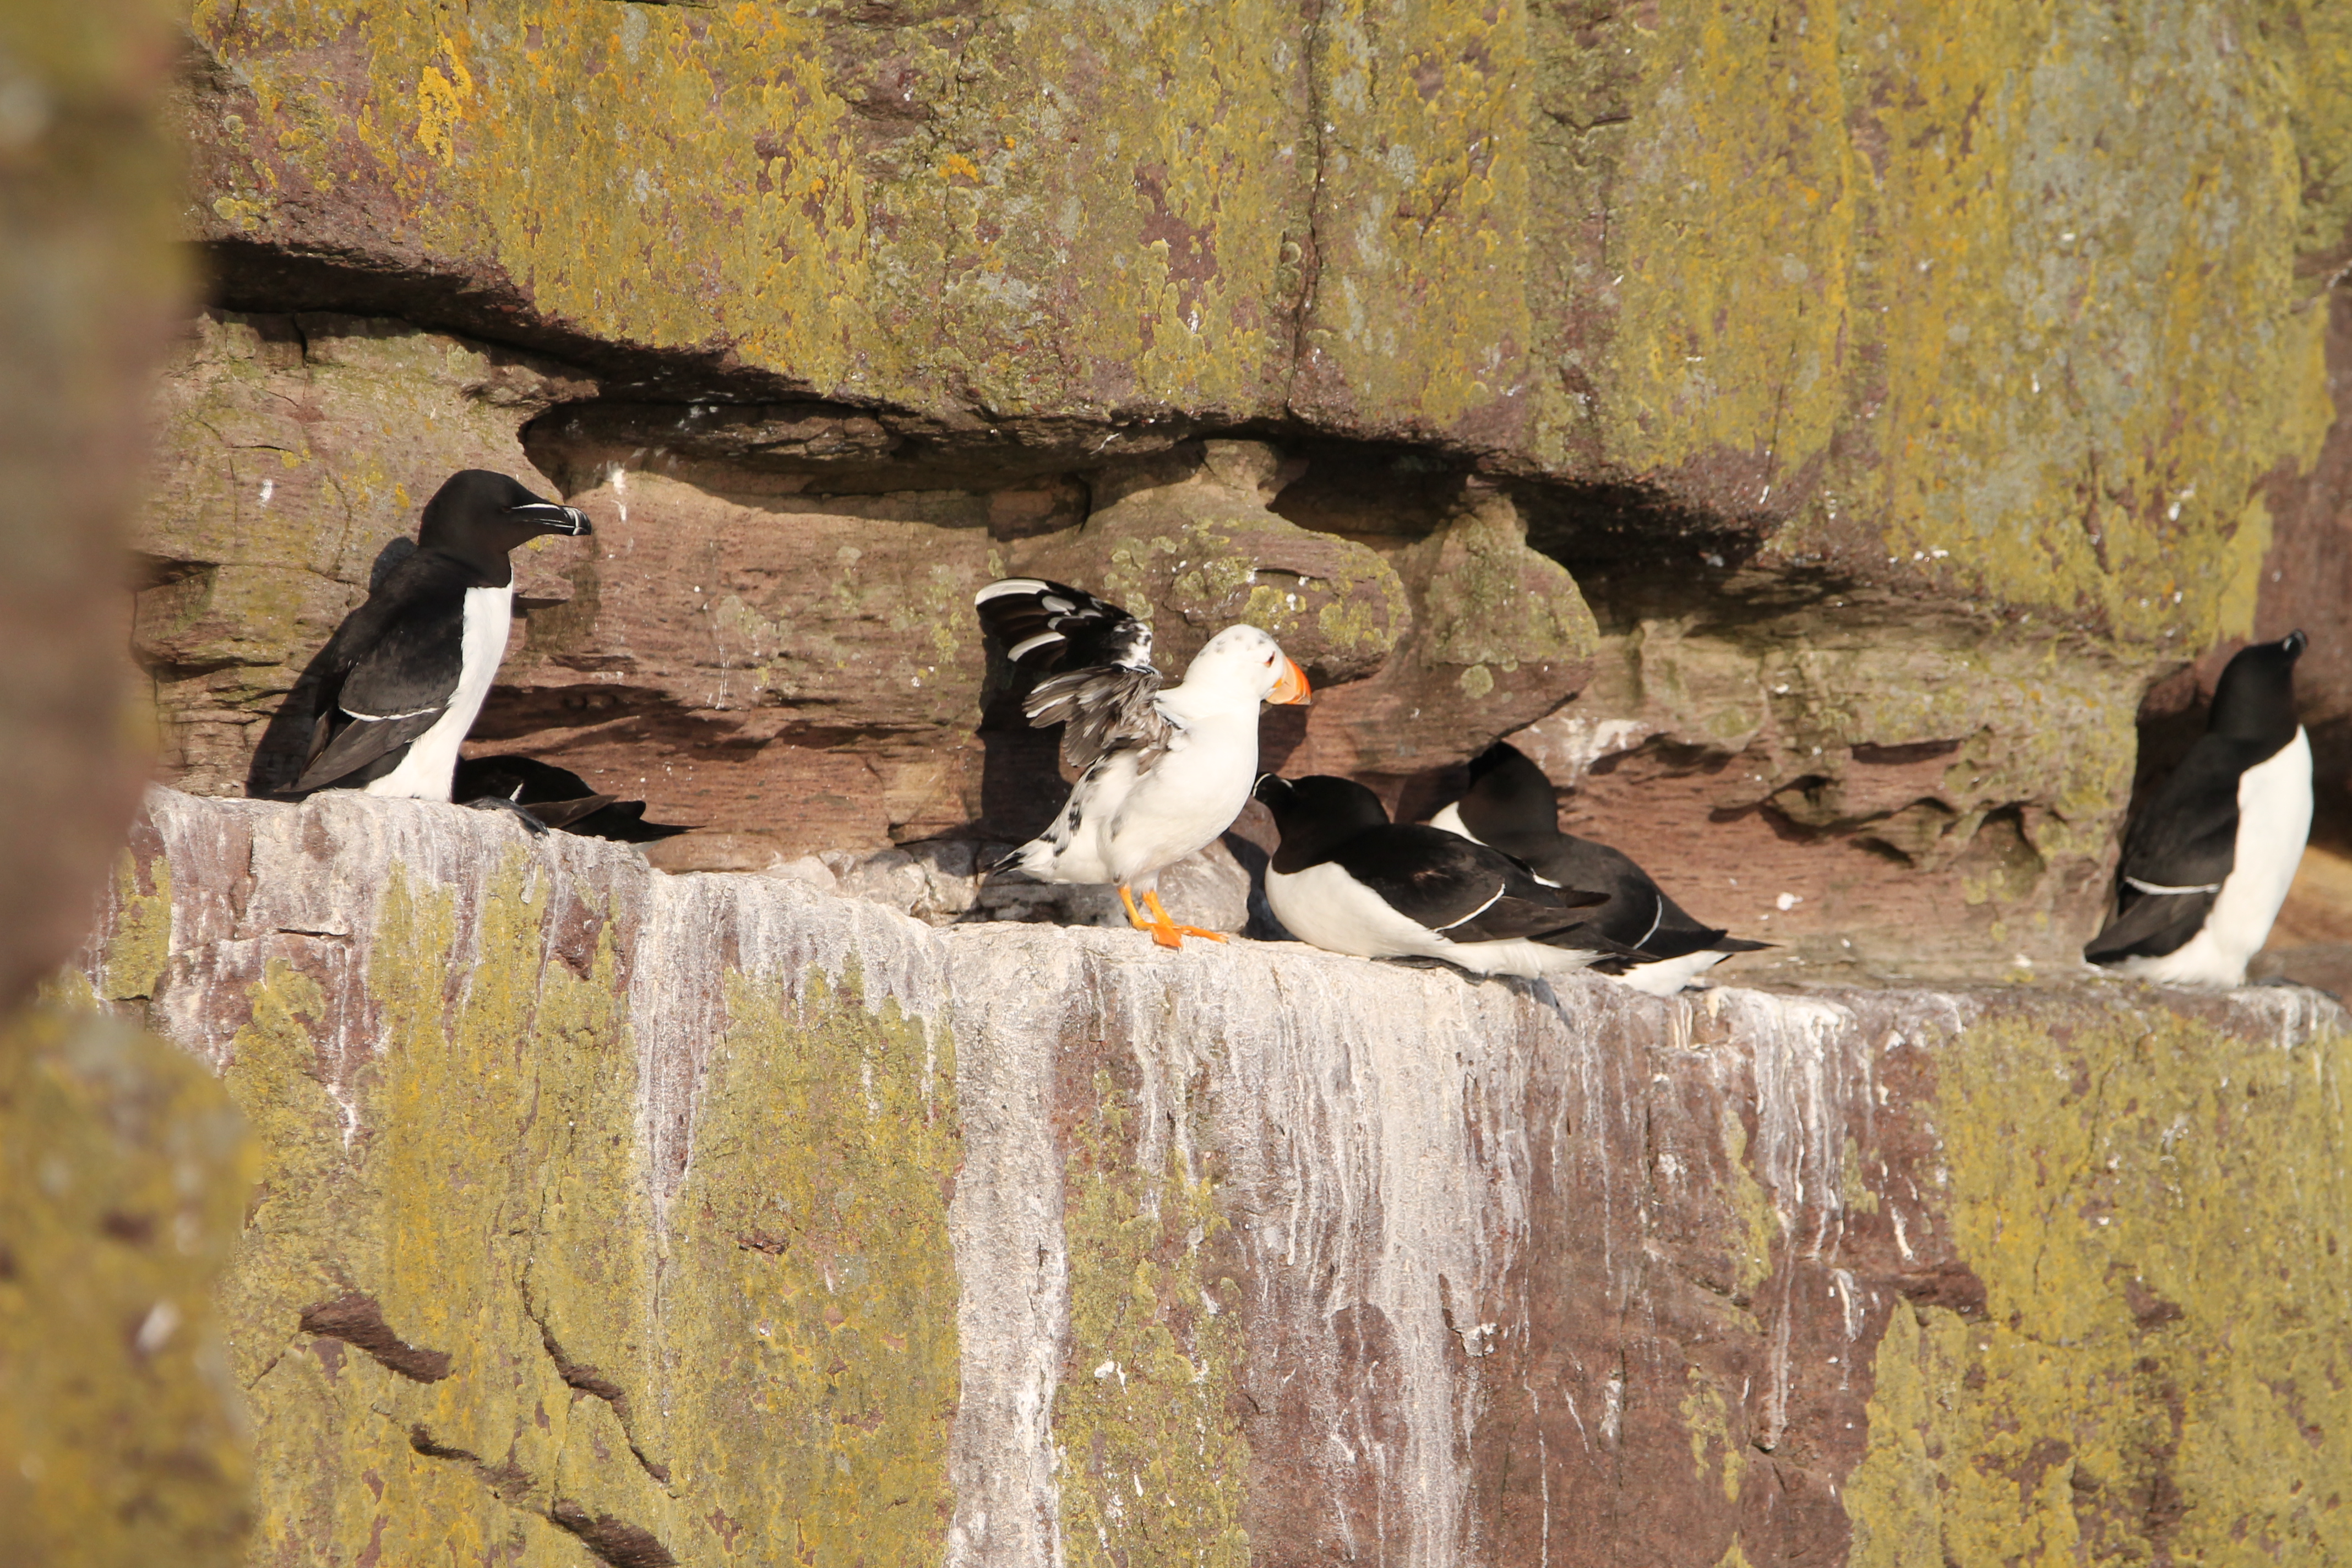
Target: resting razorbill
[1347, 880]
[1166, 768]
[557, 797]
[405, 673]
[2208, 859]
[1511, 807]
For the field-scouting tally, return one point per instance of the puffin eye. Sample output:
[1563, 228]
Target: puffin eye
[1269, 661]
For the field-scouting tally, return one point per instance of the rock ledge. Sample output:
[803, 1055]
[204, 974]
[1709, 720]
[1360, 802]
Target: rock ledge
[716, 1218]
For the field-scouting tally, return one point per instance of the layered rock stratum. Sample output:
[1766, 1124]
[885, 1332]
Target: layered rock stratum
[657, 1218]
[1848, 438]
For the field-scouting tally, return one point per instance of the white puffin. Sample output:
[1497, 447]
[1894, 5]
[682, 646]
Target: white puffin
[1166, 768]
[2208, 859]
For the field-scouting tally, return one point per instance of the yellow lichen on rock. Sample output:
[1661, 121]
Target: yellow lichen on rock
[811, 1330]
[468, 1286]
[123, 1171]
[1424, 215]
[1154, 1469]
[1912, 271]
[2155, 1207]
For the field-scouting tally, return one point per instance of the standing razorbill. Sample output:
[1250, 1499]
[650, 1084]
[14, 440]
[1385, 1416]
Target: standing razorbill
[405, 674]
[1511, 806]
[2208, 859]
[1347, 880]
[1167, 768]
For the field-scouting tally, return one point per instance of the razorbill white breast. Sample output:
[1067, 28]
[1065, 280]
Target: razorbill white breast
[1165, 769]
[1511, 807]
[405, 674]
[2207, 861]
[1347, 880]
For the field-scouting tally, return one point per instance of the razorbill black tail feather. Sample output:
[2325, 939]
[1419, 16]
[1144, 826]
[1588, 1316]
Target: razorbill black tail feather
[1347, 880]
[1165, 768]
[406, 672]
[2207, 861]
[1511, 806]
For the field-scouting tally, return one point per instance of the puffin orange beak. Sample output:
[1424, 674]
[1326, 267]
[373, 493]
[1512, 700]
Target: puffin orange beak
[1292, 686]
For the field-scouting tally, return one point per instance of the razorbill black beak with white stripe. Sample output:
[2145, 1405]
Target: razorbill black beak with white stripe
[1347, 880]
[1166, 768]
[406, 672]
[1511, 806]
[2207, 861]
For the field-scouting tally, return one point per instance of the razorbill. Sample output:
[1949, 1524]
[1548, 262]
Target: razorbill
[1164, 769]
[1347, 880]
[557, 797]
[405, 674]
[1511, 807]
[2207, 861]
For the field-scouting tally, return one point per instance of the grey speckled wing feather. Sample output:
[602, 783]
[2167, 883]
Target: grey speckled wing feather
[1103, 709]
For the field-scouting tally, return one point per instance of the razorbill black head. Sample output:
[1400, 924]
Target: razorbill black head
[1166, 768]
[1317, 814]
[403, 676]
[480, 517]
[1347, 880]
[1511, 806]
[2208, 859]
[2254, 698]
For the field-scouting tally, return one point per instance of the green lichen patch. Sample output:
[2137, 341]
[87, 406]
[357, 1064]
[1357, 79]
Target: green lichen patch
[809, 1295]
[1488, 599]
[1154, 1466]
[123, 1171]
[777, 1362]
[138, 940]
[1914, 261]
[1192, 544]
[1426, 211]
[2156, 1206]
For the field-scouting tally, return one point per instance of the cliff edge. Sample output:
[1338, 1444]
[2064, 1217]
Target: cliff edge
[613, 1215]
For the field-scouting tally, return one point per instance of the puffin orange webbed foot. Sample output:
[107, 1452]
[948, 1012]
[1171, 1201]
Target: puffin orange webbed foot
[1168, 932]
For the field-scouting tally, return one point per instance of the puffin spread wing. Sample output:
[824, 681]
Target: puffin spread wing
[1046, 626]
[412, 634]
[1105, 710]
[1096, 658]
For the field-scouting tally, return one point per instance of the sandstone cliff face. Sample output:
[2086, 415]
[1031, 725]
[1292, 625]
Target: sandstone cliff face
[703, 1219]
[1834, 421]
